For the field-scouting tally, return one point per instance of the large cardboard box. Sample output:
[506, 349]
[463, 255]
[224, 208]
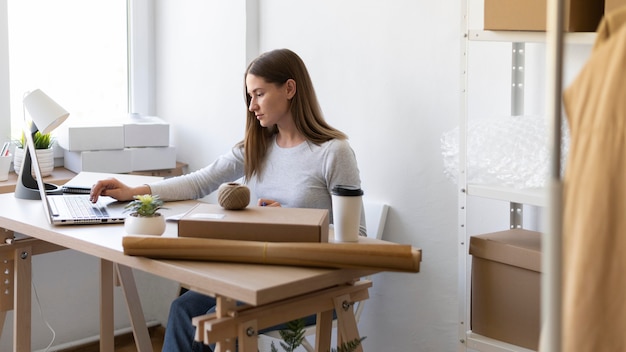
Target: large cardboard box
[530, 15]
[506, 278]
[271, 224]
[610, 5]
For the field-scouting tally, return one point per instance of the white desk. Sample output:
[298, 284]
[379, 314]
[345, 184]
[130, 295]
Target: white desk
[283, 290]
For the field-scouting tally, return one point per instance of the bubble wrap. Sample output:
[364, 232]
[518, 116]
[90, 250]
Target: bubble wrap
[508, 151]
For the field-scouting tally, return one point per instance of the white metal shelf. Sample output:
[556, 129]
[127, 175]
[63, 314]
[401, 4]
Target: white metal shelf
[586, 38]
[554, 39]
[486, 344]
[529, 196]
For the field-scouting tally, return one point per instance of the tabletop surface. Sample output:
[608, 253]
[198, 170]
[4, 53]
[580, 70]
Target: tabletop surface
[251, 283]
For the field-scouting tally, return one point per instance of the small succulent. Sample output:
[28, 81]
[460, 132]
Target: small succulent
[145, 205]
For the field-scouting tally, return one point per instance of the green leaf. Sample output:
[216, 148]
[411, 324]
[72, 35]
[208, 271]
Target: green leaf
[292, 335]
[41, 141]
[349, 346]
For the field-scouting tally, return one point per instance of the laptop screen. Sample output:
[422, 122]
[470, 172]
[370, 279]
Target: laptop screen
[30, 150]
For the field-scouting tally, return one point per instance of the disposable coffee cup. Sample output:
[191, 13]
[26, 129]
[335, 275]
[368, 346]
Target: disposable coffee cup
[346, 212]
[5, 164]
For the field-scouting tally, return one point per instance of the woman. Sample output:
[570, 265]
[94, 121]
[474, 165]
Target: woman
[289, 157]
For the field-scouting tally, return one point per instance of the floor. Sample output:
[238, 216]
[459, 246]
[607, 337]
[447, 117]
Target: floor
[125, 343]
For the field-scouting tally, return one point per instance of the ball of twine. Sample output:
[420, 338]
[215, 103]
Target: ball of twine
[233, 196]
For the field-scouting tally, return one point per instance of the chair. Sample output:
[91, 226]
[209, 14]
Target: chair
[375, 217]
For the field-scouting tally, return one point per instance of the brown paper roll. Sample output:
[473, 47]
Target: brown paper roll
[375, 256]
[233, 196]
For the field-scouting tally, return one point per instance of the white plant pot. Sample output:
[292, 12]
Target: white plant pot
[144, 225]
[44, 156]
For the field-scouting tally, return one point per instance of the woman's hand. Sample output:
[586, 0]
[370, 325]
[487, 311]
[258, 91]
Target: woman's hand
[267, 203]
[112, 187]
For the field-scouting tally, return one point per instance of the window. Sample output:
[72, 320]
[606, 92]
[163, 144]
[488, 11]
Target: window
[77, 51]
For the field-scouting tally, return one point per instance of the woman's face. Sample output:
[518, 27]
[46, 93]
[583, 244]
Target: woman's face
[268, 101]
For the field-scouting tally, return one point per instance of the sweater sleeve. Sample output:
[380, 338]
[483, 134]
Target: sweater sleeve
[227, 168]
[341, 169]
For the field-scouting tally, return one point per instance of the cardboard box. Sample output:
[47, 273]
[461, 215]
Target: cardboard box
[112, 161]
[83, 138]
[153, 158]
[530, 15]
[506, 276]
[255, 224]
[610, 5]
[146, 131]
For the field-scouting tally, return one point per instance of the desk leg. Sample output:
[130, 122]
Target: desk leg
[3, 316]
[107, 342]
[324, 330]
[22, 299]
[247, 334]
[347, 329]
[224, 306]
[137, 320]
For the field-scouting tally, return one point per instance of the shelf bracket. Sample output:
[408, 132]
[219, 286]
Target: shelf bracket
[518, 62]
[516, 217]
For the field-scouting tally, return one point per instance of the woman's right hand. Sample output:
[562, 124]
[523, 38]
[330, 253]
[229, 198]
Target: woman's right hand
[114, 188]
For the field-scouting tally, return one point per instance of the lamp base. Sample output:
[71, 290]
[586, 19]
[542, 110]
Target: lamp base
[26, 186]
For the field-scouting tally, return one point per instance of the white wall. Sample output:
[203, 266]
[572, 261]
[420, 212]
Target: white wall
[387, 73]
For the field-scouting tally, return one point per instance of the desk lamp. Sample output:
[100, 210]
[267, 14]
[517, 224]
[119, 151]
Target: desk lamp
[46, 115]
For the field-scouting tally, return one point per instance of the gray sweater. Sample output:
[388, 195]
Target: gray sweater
[298, 177]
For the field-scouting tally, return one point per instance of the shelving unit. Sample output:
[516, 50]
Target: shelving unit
[527, 37]
[469, 341]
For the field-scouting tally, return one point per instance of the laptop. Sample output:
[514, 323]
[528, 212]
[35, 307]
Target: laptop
[69, 209]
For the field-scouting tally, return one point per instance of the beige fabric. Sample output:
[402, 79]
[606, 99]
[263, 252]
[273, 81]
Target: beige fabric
[594, 218]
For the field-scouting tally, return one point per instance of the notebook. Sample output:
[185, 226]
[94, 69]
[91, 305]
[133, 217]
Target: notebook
[68, 209]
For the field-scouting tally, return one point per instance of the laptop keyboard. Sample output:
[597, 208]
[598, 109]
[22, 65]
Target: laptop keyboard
[81, 207]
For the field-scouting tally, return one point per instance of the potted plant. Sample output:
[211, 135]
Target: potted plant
[145, 218]
[45, 153]
[293, 336]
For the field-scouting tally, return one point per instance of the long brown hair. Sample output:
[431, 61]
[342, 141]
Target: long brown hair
[277, 67]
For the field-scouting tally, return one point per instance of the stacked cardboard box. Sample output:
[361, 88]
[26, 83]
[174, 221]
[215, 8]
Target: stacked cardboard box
[506, 278]
[530, 15]
[134, 144]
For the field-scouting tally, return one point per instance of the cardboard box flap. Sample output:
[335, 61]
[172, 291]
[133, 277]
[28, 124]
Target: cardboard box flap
[612, 5]
[517, 247]
[273, 224]
[530, 15]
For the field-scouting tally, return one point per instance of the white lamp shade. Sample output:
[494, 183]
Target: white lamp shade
[45, 112]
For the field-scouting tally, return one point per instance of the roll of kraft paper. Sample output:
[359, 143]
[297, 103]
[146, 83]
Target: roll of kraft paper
[372, 256]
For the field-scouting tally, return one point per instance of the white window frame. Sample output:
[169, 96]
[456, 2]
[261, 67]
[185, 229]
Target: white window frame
[141, 57]
[141, 62]
[5, 105]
